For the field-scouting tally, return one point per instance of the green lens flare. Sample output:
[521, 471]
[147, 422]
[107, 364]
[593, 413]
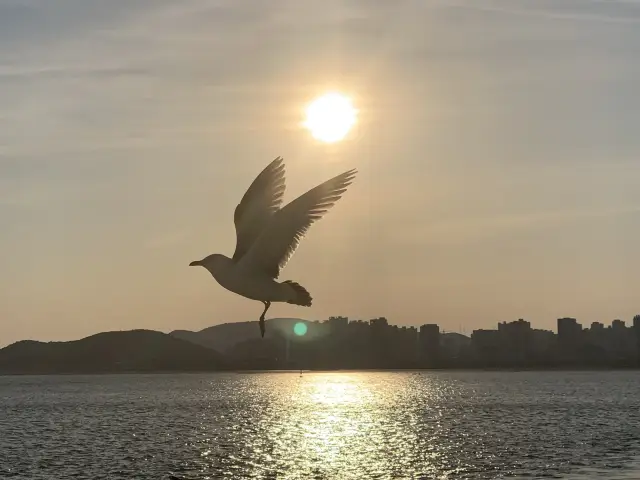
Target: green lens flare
[300, 329]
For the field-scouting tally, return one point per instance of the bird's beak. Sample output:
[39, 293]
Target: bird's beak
[195, 263]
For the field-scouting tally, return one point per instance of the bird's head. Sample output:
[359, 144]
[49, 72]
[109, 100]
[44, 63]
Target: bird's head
[211, 262]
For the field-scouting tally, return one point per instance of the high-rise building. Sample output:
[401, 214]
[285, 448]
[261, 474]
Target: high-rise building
[338, 325]
[429, 340]
[380, 322]
[618, 325]
[569, 331]
[570, 338]
[636, 328]
[516, 340]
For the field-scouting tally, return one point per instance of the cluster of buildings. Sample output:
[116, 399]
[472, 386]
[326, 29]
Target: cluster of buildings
[516, 343]
[340, 343]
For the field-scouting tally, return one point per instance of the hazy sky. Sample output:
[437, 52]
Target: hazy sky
[498, 151]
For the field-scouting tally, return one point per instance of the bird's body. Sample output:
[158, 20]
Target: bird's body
[253, 284]
[267, 236]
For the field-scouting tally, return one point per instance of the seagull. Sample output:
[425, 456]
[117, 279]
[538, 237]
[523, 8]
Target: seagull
[267, 236]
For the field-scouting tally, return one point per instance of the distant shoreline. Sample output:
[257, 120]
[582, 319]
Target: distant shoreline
[362, 370]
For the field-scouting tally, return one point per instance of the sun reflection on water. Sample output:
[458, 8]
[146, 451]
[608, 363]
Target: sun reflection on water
[334, 390]
[343, 425]
[335, 418]
[340, 425]
[334, 426]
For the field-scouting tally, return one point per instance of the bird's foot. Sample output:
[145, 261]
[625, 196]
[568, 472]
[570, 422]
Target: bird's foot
[262, 324]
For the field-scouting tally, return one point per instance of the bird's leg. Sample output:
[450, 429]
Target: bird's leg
[262, 325]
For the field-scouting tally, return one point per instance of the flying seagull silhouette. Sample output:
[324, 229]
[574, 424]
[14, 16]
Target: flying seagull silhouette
[267, 236]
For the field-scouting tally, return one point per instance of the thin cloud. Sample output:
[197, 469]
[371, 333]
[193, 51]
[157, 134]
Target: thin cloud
[482, 228]
[571, 16]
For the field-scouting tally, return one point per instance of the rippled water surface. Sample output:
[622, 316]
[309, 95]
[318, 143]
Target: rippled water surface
[321, 425]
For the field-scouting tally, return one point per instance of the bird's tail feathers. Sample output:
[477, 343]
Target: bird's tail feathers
[300, 295]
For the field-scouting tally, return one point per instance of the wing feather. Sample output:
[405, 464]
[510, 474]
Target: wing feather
[281, 237]
[259, 203]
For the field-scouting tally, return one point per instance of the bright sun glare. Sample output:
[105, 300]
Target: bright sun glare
[330, 117]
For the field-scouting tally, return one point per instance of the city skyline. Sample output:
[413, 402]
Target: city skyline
[336, 343]
[628, 323]
[496, 145]
[340, 342]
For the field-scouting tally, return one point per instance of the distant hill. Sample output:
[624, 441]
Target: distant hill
[226, 336]
[456, 339]
[124, 351]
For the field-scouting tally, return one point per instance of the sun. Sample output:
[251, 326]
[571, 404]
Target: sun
[330, 117]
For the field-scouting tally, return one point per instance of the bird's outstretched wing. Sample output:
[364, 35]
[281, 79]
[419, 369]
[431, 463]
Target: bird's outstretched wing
[259, 203]
[280, 238]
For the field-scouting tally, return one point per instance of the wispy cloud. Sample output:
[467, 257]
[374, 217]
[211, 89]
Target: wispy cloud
[585, 11]
[486, 228]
